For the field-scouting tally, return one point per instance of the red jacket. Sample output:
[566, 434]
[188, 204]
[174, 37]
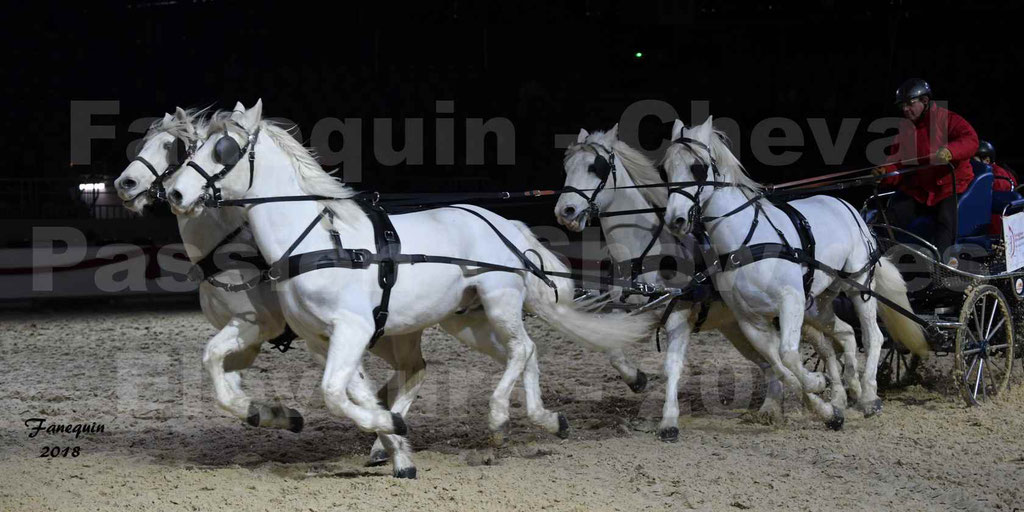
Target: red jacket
[937, 128]
[1002, 185]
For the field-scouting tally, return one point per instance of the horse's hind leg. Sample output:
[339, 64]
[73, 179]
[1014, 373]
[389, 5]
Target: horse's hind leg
[633, 377]
[227, 353]
[475, 330]
[403, 353]
[872, 336]
[503, 305]
[827, 353]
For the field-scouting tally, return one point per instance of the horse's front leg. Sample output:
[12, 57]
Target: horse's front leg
[791, 320]
[678, 327]
[403, 353]
[772, 409]
[349, 336]
[231, 350]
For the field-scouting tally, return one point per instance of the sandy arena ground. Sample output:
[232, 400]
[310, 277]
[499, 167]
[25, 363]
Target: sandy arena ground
[166, 446]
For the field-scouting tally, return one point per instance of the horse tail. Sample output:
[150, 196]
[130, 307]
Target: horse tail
[597, 330]
[889, 284]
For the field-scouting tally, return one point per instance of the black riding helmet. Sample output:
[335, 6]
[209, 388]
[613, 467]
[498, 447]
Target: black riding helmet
[912, 88]
[986, 149]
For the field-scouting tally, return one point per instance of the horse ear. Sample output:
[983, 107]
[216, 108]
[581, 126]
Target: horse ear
[613, 134]
[252, 116]
[180, 114]
[707, 128]
[168, 118]
[582, 137]
[677, 129]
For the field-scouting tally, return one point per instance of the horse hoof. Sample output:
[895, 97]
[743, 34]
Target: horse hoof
[563, 427]
[669, 434]
[836, 423]
[640, 384]
[295, 421]
[873, 409]
[500, 435]
[378, 458]
[400, 428]
[253, 419]
[409, 473]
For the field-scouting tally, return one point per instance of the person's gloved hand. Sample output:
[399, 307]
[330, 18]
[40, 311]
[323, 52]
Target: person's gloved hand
[944, 155]
[878, 171]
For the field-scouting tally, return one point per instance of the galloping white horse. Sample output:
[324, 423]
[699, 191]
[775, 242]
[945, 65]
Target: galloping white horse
[629, 235]
[765, 289]
[333, 308]
[248, 318]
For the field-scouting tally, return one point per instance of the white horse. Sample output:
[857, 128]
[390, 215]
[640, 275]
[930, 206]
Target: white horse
[333, 308]
[246, 319]
[771, 288]
[627, 237]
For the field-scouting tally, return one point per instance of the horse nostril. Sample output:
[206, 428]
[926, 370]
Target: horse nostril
[678, 222]
[175, 197]
[127, 184]
[569, 211]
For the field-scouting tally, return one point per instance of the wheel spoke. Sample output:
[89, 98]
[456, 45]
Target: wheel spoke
[977, 381]
[988, 336]
[988, 328]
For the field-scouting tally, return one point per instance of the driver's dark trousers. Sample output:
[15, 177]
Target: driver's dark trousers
[904, 209]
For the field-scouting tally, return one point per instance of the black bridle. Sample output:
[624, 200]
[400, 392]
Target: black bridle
[602, 167]
[182, 152]
[700, 178]
[227, 152]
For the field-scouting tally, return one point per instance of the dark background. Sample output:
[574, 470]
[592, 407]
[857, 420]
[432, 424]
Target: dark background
[549, 68]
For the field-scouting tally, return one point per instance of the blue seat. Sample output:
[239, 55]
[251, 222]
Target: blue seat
[974, 211]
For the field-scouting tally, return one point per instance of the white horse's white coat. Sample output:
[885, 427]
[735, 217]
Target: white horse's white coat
[627, 236]
[247, 319]
[332, 308]
[761, 291]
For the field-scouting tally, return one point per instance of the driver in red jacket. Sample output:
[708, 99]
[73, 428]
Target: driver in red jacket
[939, 137]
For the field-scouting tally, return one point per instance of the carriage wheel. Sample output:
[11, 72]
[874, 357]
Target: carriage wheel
[897, 368]
[984, 345]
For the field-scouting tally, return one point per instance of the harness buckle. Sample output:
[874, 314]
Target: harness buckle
[700, 277]
[389, 235]
[734, 258]
[272, 274]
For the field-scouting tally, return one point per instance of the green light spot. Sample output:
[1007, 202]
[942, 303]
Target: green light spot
[638, 55]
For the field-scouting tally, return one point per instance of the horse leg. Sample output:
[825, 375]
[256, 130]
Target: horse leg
[678, 328]
[827, 353]
[226, 354]
[395, 447]
[791, 320]
[474, 330]
[403, 353]
[350, 334]
[634, 378]
[842, 334]
[872, 336]
[504, 309]
[771, 411]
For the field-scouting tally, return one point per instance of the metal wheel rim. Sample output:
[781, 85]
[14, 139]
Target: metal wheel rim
[984, 345]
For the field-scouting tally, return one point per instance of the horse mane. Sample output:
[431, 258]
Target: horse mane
[639, 168]
[643, 172]
[198, 119]
[312, 178]
[726, 160]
